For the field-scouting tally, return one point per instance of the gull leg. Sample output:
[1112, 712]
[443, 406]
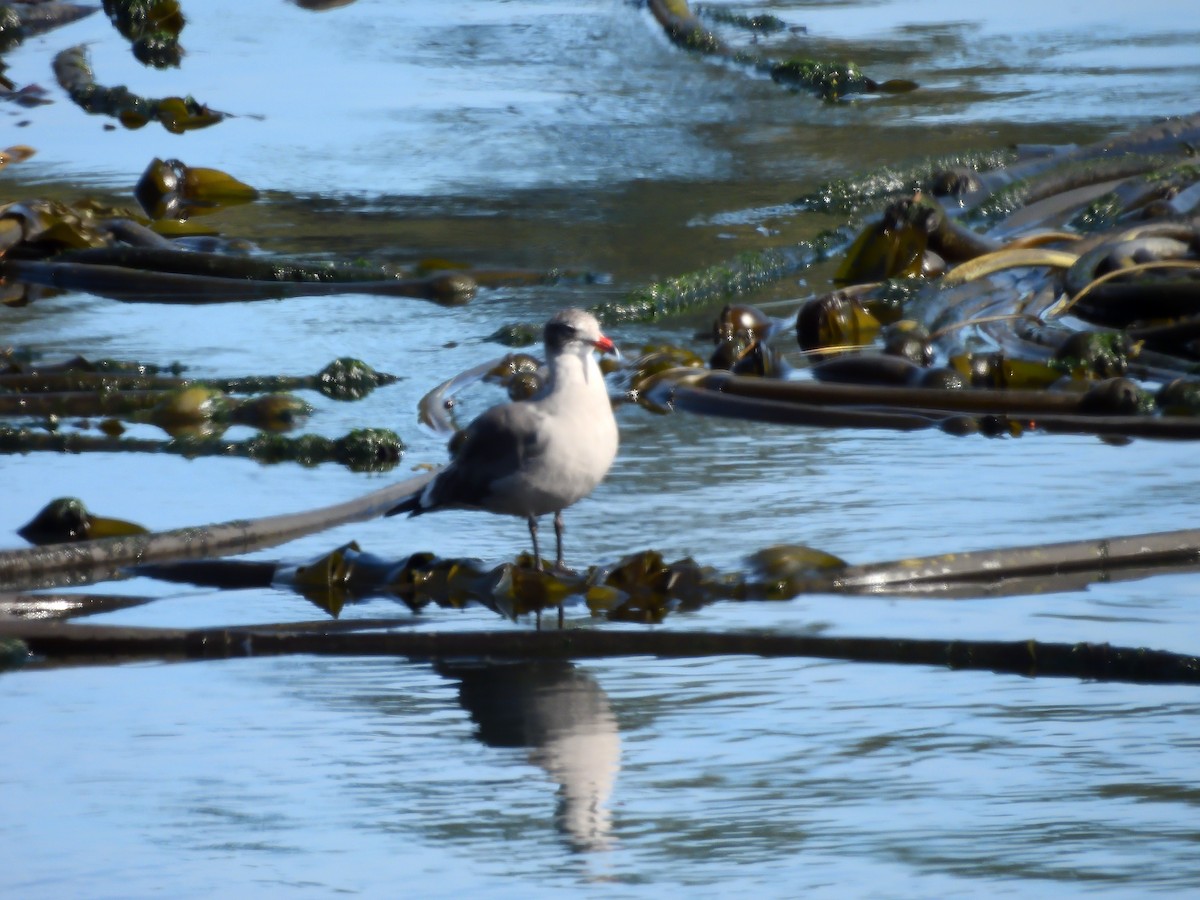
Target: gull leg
[533, 529]
[558, 565]
[558, 539]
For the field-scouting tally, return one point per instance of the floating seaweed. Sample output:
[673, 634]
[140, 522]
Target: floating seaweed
[152, 28]
[176, 114]
[639, 587]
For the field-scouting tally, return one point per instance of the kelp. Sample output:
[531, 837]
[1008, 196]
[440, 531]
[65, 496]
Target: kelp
[47, 226]
[171, 189]
[226, 279]
[67, 519]
[992, 181]
[1045, 378]
[346, 378]
[1067, 175]
[970, 177]
[152, 28]
[87, 562]
[50, 606]
[171, 409]
[640, 587]
[112, 252]
[741, 275]
[195, 413]
[945, 175]
[360, 450]
[831, 81]
[992, 342]
[645, 587]
[176, 114]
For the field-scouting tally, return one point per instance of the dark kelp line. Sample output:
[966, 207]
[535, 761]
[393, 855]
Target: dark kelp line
[63, 643]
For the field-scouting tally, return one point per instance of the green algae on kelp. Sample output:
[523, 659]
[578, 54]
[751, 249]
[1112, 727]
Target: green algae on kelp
[849, 195]
[750, 270]
[361, 450]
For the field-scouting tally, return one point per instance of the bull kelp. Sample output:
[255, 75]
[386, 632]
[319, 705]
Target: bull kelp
[1039, 331]
[58, 402]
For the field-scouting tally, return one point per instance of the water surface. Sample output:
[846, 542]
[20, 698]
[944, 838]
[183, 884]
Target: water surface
[551, 134]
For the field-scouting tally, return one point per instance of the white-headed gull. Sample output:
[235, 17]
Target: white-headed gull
[537, 456]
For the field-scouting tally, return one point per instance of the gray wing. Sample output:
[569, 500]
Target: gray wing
[497, 444]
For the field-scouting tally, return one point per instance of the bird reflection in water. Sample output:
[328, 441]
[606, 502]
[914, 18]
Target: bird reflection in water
[563, 716]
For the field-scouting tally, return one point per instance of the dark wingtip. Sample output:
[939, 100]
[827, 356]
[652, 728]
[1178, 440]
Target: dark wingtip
[410, 505]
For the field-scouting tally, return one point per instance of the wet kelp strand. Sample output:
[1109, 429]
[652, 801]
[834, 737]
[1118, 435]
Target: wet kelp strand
[58, 642]
[283, 279]
[90, 561]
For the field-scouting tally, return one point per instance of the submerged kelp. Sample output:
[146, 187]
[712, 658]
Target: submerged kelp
[122, 254]
[109, 252]
[831, 81]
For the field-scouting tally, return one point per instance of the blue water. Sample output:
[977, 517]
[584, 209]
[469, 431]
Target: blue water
[572, 134]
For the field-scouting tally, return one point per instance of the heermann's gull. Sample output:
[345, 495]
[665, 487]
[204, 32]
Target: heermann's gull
[540, 455]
